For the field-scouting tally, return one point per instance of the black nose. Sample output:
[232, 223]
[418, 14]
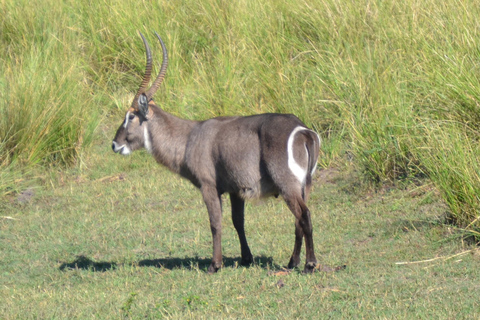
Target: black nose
[113, 147]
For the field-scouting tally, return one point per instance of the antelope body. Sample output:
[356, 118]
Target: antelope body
[246, 157]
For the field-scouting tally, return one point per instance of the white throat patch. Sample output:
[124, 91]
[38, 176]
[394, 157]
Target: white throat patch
[148, 142]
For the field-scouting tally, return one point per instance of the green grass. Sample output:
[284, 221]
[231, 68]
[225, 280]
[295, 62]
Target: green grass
[44, 89]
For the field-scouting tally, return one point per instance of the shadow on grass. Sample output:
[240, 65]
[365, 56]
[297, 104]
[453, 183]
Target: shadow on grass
[203, 263]
[85, 263]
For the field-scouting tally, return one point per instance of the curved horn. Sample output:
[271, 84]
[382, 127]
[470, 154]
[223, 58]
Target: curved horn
[161, 74]
[148, 73]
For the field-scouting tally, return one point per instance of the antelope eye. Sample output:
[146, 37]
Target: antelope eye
[131, 116]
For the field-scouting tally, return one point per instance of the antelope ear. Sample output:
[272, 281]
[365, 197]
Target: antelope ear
[143, 105]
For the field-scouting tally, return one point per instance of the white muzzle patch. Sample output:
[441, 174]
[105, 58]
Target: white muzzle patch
[122, 149]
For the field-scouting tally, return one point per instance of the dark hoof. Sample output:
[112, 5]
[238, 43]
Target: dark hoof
[212, 268]
[309, 267]
[246, 261]
[293, 263]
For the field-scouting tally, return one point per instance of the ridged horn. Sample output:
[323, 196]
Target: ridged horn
[161, 74]
[148, 73]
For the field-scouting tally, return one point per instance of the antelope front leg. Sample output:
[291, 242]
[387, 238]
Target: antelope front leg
[238, 218]
[214, 206]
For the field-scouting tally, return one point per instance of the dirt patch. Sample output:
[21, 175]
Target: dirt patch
[25, 196]
[329, 175]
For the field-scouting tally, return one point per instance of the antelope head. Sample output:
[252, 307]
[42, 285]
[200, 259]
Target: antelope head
[132, 133]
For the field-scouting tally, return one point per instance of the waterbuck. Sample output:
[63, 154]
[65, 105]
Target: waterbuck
[246, 157]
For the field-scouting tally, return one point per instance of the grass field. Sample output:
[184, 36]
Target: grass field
[392, 87]
[126, 239]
